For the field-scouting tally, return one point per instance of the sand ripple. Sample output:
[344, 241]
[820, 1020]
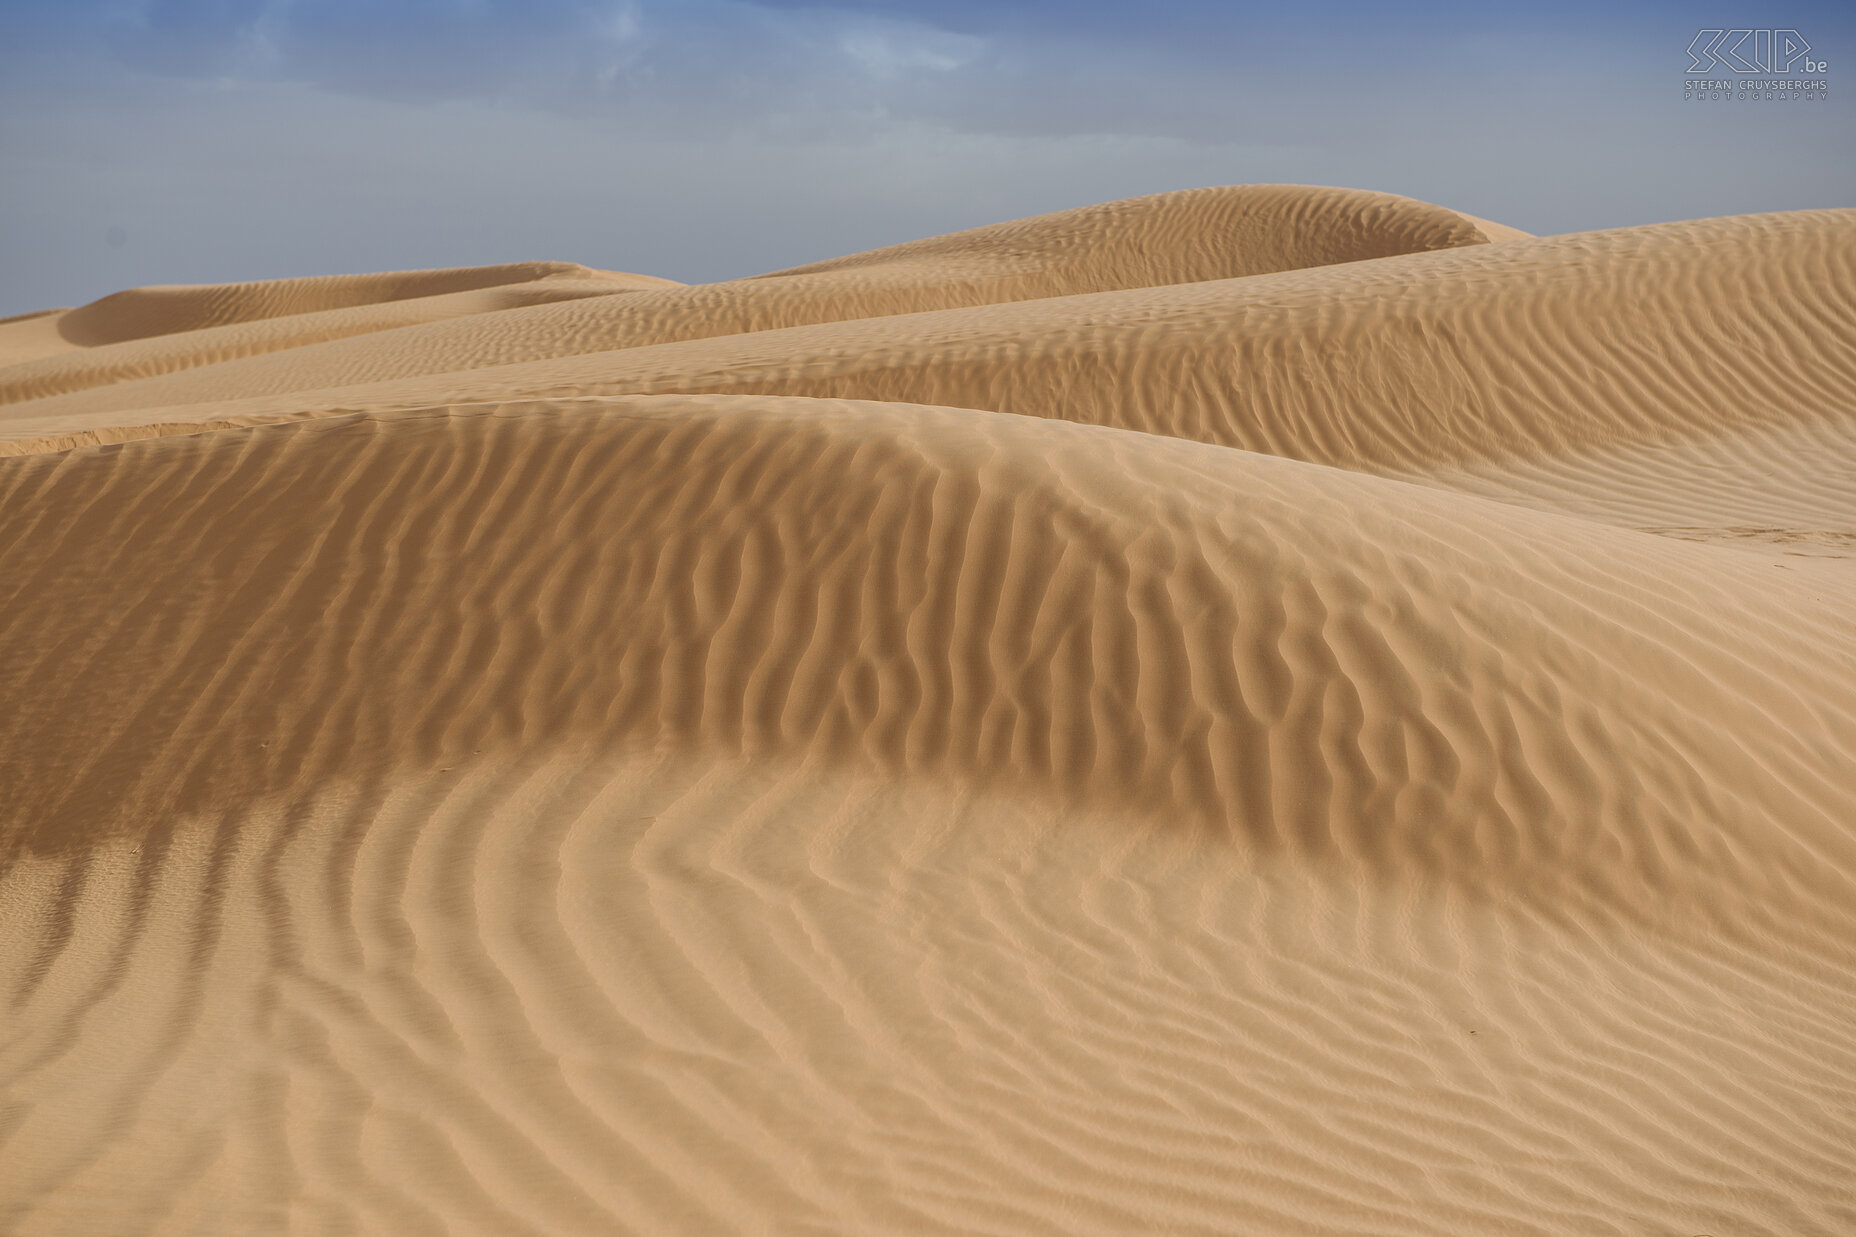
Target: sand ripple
[1370, 752]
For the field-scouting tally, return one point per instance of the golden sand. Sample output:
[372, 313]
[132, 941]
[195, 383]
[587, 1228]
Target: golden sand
[1256, 710]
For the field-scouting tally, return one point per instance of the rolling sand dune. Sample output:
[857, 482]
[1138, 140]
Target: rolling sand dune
[149, 331]
[1633, 365]
[1168, 238]
[1247, 711]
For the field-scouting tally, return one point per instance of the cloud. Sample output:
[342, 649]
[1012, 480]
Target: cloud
[1338, 71]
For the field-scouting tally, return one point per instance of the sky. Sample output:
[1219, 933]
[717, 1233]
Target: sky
[204, 141]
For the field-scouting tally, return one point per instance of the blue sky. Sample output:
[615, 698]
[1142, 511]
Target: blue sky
[168, 141]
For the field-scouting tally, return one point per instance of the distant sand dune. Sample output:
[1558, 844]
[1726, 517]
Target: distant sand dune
[148, 331]
[1164, 239]
[1602, 368]
[144, 312]
[1372, 751]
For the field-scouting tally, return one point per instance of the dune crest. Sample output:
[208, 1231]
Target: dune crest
[143, 312]
[1163, 239]
[1262, 709]
[146, 331]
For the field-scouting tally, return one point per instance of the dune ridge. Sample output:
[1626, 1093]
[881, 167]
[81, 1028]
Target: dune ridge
[799, 627]
[1360, 743]
[1631, 378]
[143, 312]
[148, 331]
[1161, 239]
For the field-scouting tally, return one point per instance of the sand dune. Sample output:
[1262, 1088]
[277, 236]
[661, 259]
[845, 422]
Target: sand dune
[1632, 377]
[1164, 239]
[1286, 718]
[157, 330]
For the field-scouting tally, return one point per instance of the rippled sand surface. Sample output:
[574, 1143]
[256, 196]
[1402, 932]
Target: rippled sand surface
[1246, 711]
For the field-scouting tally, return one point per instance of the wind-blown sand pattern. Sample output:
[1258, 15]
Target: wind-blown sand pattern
[1255, 710]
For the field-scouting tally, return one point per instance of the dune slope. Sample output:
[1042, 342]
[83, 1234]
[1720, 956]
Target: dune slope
[1371, 752]
[1593, 374]
[1167, 238]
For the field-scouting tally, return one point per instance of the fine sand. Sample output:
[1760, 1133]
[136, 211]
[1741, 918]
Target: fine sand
[1262, 710]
